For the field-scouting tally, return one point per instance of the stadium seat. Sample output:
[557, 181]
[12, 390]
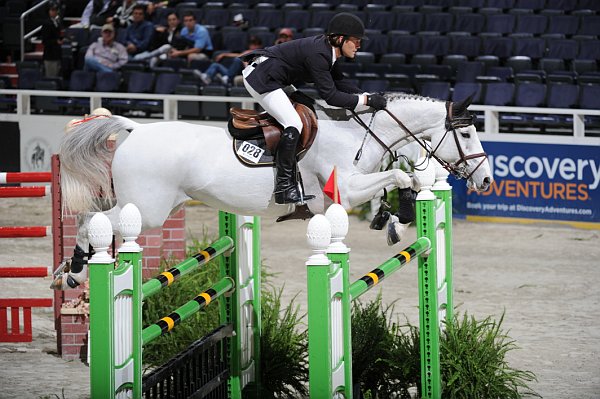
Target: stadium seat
[563, 48]
[502, 4]
[269, 17]
[436, 45]
[503, 72]
[535, 5]
[549, 65]
[235, 41]
[462, 90]
[519, 63]
[298, 19]
[377, 43]
[469, 46]
[28, 77]
[402, 43]
[321, 18]
[590, 25]
[563, 5]
[565, 24]
[439, 22]
[583, 66]
[498, 46]
[216, 17]
[382, 20]
[500, 23]
[218, 110]
[410, 22]
[589, 96]
[139, 82]
[471, 22]
[499, 93]
[531, 23]
[471, 3]
[374, 85]
[393, 58]
[107, 81]
[589, 50]
[562, 95]
[468, 71]
[439, 90]
[454, 60]
[530, 95]
[533, 47]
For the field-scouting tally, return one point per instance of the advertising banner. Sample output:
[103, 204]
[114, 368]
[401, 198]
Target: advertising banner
[537, 181]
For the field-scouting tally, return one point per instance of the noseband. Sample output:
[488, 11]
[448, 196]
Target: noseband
[457, 168]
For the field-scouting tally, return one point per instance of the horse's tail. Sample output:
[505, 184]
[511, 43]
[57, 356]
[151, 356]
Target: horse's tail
[85, 161]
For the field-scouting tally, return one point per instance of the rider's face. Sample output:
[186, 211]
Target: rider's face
[350, 47]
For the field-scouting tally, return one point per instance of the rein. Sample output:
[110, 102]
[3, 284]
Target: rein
[451, 125]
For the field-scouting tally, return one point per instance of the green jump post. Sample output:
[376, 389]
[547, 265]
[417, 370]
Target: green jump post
[116, 335]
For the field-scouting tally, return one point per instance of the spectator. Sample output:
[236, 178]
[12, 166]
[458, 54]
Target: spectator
[227, 74]
[202, 47]
[240, 21]
[139, 33]
[285, 35]
[165, 39]
[97, 13]
[106, 54]
[52, 41]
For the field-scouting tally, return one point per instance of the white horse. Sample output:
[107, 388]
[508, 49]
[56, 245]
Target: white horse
[159, 166]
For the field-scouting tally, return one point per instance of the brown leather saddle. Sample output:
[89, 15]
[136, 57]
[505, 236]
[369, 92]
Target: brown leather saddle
[256, 135]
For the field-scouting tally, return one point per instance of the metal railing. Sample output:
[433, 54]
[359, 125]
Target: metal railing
[170, 104]
[25, 36]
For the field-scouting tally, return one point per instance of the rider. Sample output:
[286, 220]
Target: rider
[310, 59]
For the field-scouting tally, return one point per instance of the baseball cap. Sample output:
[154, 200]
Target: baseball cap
[108, 27]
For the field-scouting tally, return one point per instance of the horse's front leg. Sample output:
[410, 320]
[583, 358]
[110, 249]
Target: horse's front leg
[362, 188]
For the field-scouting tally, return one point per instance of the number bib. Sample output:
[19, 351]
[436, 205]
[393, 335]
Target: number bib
[250, 152]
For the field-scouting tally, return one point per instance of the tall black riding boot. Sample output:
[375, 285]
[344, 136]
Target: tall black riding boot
[286, 185]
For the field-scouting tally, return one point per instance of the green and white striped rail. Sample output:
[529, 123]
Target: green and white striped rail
[330, 292]
[117, 336]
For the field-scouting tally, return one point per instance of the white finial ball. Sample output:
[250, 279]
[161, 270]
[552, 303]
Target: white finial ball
[426, 176]
[318, 233]
[100, 231]
[130, 221]
[338, 219]
[101, 111]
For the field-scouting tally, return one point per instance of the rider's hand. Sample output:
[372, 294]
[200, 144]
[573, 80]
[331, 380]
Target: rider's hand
[376, 101]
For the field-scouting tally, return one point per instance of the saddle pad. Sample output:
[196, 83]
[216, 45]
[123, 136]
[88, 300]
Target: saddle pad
[253, 152]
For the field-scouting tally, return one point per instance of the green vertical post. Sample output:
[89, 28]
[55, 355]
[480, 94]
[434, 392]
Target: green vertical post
[256, 273]
[319, 310]
[130, 256]
[102, 364]
[428, 301]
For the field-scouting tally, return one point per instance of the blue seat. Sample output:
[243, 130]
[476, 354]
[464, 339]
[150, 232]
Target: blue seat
[469, 46]
[533, 47]
[28, 77]
[469, 22]
[589, 50]
[589, 96]
[235, 41]
[444, 72]
[107, 81]
[269, 17]
[590, 25]
[563, 5]
[77, 36]
[436, 45]
[393, 58]
[404, 44]
[504, 73]
[584, 66]
[499, 93]
[463, 90]
[216, 17]
[382, 20]
[439, 22]
[519, 63]
[563, 48]
[139, 82]
[410, 22]
[377, 43]
[218, 110]
[468, 71]
[439, 90]
[166, 83]
[500, 23]
[499, 46]
[374, 85]
[471, 3]
[565, 24]
[531, 23]
[588, 5]
[298, 19]
[506, 4]
[530, 95]
[79, 81]
[562, 95]
[321, 18]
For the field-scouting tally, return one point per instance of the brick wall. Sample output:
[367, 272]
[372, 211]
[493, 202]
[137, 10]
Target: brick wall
[157, 244]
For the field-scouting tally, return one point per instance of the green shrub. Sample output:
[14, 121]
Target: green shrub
[284, 349]
[473, 361]
[169, 299]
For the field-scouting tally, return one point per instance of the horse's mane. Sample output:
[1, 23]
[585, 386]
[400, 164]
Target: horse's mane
[395, 96]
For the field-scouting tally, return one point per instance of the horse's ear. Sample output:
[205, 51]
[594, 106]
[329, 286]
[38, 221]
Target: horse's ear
[462, 106]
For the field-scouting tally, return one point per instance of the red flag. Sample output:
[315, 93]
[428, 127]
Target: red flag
[331, 187]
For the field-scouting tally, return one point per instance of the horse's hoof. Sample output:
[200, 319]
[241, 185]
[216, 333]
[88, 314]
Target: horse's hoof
[395, 230]
[64, 279]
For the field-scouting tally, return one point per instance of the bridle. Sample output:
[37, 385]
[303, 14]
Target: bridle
[458, 168]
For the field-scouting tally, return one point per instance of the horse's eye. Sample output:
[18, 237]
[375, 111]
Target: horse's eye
[466, 135]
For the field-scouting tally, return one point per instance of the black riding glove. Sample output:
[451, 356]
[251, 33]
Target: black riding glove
[376, 101]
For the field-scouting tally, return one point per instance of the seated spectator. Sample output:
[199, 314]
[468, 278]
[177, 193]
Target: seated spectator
[240, 21]
[97, 13]
[227, 74]
[198, 34]
[139, 33]
[52, 41]
[284, 35]
[106, 54]
[123, 16]
[165, 39]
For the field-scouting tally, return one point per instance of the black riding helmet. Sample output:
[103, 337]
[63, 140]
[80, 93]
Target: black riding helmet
[346, 24]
